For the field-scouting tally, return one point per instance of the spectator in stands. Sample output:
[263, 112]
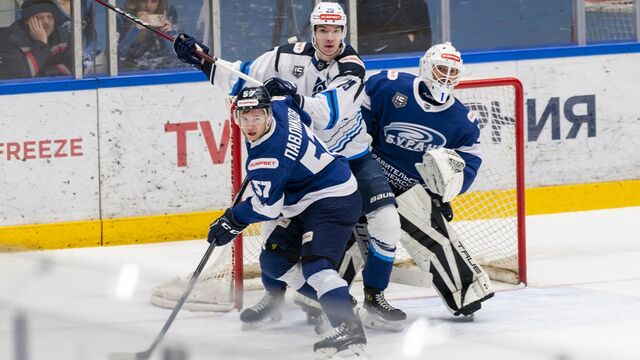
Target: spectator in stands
[35, 45]
[63, 18]
[141, 49]
[393, 26]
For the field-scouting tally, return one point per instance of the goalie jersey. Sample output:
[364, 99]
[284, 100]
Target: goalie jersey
[289, 168]
[332, 92]
[404, 126]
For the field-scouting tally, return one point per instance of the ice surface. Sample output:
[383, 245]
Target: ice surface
[581, 303]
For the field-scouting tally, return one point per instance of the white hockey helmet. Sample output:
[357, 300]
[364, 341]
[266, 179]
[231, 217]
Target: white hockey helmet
[328, 13]
[441, 69]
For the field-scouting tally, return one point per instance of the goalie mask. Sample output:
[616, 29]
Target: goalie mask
[328, 13]
[441, 69]
[253, 112]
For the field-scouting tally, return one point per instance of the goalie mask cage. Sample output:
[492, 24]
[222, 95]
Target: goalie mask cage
[489, 218]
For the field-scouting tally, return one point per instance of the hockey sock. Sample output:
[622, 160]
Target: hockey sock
[332, 290]
[308, 291]
[272, 285]
[377, 271]
[337, 305]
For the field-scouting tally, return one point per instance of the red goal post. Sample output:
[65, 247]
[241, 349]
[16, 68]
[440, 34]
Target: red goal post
[495, 104]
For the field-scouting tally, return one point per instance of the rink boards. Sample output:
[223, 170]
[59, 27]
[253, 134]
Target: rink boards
[124, 162]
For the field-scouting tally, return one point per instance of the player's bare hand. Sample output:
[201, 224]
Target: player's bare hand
[166, 27]
[144, 16]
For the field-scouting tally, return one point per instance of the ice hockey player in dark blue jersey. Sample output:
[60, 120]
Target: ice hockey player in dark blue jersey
[325, 77]
[423, 137]
[292, 173]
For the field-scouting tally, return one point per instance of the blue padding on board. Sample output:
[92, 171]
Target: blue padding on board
[377, 62]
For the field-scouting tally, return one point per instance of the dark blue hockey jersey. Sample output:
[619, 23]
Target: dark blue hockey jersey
[289, 168]
[404, 126]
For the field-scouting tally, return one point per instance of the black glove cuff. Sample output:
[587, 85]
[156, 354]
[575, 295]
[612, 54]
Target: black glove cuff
[233, 222]
[299, 100]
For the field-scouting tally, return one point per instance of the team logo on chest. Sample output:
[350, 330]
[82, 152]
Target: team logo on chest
[399, 100]
[413, 137]
[298, 71]
[319, 86]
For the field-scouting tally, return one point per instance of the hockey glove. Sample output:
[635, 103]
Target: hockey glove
[278, 87]
[443, 172]
[184, 46]
[224, 229]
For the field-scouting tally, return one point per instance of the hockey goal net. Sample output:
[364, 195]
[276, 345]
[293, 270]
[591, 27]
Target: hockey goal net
[489, 218]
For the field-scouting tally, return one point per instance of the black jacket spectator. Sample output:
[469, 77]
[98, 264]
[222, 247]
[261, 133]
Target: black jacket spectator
[25, 54]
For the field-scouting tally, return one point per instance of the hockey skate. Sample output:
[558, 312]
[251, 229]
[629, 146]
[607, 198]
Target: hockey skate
[323, 327]
[378, 314]
[265, 312]
[310, 307]
[345, 341]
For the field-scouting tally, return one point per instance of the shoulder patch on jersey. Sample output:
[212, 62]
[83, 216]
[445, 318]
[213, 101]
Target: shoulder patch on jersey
[298, 48]
[471, 116]
[278, 98]
[306, 237]
[352, 59]
[392, 74]
[263, 163]
[399, 100]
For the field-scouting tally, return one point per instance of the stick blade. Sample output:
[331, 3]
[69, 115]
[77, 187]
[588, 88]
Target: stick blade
[128, 356]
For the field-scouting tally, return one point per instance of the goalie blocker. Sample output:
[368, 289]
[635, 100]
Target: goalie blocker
[436, 248]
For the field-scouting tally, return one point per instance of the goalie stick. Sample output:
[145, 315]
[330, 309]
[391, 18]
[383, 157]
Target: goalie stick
[162, 34]
[145, 355]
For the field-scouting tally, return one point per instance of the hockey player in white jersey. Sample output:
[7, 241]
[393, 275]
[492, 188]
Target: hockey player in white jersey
[325, 77]
[423, 137]
[293, 174]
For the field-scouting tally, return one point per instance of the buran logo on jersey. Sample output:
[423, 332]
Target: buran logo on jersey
[318, 87]
[263, 163]
[413, 137]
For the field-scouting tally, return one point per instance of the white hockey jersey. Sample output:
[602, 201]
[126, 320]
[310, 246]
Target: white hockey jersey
[332, 92]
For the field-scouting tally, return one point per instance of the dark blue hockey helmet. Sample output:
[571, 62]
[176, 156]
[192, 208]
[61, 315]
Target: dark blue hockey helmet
[253, 98]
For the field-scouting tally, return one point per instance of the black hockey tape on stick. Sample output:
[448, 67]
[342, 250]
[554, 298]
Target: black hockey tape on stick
[145, 355]
[168, 37]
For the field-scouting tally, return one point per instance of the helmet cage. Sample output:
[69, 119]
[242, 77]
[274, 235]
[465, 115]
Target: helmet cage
[441, 68]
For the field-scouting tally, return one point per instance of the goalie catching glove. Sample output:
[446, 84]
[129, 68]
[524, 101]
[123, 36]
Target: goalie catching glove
[224, 229]
[443, 172]
[185, 46]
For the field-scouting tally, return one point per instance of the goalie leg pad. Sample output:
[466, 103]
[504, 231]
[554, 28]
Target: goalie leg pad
[435, 247]
[352, 261]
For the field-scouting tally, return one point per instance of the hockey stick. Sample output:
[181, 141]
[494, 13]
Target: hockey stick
[211, 59]
[145, 355]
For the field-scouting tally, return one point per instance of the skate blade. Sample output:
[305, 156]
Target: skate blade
[375, 322]
[355, 351]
